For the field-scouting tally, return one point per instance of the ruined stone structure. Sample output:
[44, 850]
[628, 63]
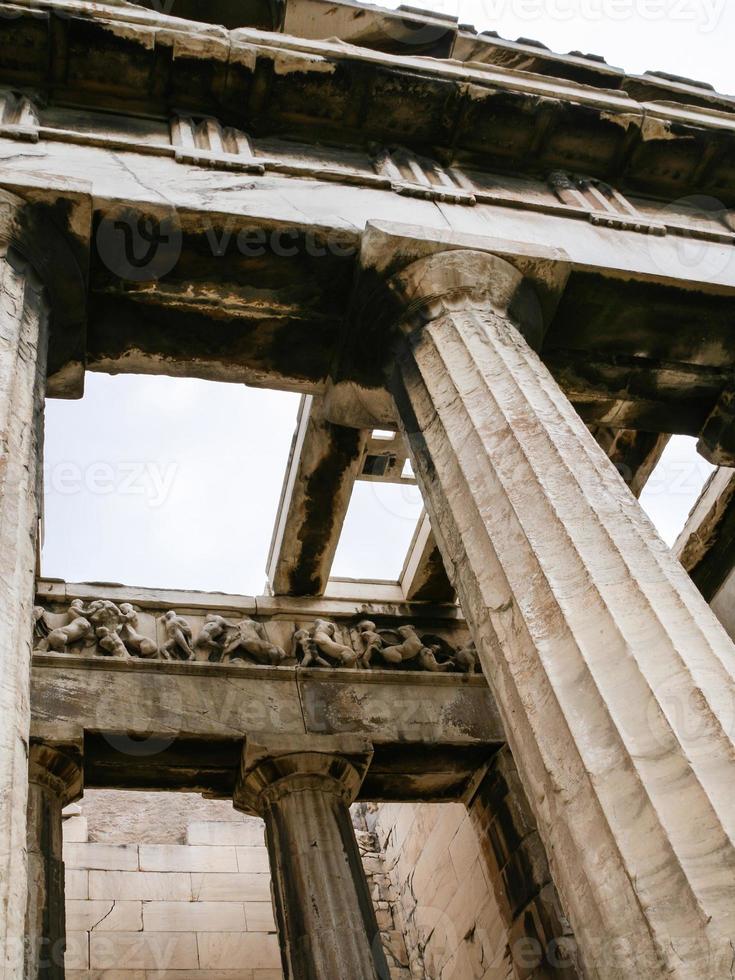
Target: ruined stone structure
[521, 264]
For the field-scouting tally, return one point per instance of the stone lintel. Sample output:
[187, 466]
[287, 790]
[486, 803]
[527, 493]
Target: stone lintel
[325, 461]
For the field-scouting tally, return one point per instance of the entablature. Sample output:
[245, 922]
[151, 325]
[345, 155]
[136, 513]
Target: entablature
[267, 84]
[161, 694]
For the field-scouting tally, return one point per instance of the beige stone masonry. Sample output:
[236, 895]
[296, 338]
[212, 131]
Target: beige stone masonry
[173, 857]
[104, 916]
[224, 834]
[146, 886]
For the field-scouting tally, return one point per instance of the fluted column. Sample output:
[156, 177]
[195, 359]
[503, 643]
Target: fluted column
[54, 780]
[23, 344]
[613, 677]
[326, 922]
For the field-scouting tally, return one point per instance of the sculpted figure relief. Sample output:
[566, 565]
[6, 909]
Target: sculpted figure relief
[59, 638]
[250, 643]
[104, 628]
[179, 635]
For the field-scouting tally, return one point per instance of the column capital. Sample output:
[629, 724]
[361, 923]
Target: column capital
[404, 271]
[276, 766]
[57, 767]
[462, 278]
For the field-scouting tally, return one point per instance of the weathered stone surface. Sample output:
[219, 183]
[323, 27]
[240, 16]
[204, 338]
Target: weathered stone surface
[143, 951]
[23, 345]
[172, 857]
[54, 781]
[249, 833]
[219, 951]
[303, 789]
[102, 857]
[231, 887]
[324, 463]
[134, 886]
[104, 915]
[590, 632]
[194, 917]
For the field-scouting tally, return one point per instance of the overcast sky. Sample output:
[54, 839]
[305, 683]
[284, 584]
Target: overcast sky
[175, 483]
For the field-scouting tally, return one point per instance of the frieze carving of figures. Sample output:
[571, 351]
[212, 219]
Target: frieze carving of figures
[106, 629]
[101, 627]
[243, 642]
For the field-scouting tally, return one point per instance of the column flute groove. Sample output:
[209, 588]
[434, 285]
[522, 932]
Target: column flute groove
[614, 679]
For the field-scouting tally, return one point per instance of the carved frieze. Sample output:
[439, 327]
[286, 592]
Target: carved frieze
[102, 628]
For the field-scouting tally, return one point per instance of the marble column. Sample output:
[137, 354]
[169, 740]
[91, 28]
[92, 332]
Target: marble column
[326, 922]
[23, 345]
[54, 780]
[613, 677]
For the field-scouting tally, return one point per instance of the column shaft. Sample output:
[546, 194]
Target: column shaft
[23, 342]
[325, 912]
[613, 677]
[326, 920]
[54, 779]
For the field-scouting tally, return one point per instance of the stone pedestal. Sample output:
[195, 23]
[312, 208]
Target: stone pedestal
[325, 915]
[23, 344]
[613, 677]
[54, 780]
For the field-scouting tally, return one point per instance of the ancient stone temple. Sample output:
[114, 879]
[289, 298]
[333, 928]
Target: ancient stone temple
[516, 762]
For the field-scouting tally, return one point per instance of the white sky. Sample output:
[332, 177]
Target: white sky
[175, 483]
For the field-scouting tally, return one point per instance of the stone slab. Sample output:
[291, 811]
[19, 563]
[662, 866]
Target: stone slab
[76, 884]
[146, 886]
[194, 917]
[217, 951]
[259, 917]
[231, 887]
[249, 833]
[253, 859]
[75, 830]
[102, 857]
[183, 857]
[103, 915]
[77, 951]
[143, 951]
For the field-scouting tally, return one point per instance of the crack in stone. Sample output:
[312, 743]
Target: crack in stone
[105, 916]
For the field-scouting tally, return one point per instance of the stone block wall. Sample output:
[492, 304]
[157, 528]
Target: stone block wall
[174, 887]
[454, 929]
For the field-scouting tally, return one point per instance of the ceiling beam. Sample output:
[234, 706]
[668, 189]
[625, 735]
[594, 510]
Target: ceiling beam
[706, 545]
[325, 461]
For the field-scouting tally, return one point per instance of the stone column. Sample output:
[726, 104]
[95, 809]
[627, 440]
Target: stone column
[23, 345]
[55, 780]
[612, 675]
[326, 921]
